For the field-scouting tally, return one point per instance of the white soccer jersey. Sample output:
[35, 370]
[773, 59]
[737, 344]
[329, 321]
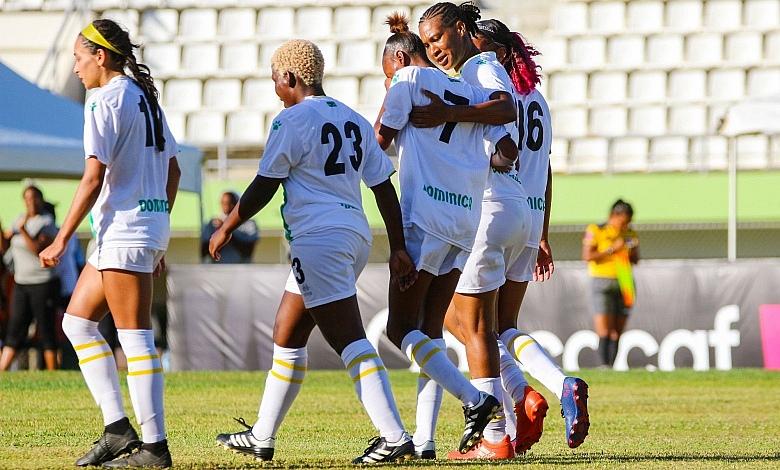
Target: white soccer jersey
[322, 149]
[484, 71]
[132, 208]
[535, 137]
[444, 169]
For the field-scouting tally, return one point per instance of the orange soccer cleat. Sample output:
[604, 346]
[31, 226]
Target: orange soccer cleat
[485, 450]
[530, 419]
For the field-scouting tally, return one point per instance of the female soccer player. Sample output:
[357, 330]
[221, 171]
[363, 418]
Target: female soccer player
[319, 150]
[130, 182]
[443, 172]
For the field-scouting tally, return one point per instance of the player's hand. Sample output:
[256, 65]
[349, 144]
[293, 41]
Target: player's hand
[50, 256]
[217, 242]
[545, 267]
[431, 115]
[402, 271]
[160, 268]
[618, 244]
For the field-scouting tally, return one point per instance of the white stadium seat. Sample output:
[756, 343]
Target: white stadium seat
[688, 119]
[380, 13]
[177, 124]
[183, 94]
[744, 48]
[607, 86]
[647, 120]
[352, 22]
[626, 51]
[645, 16]
[372, 90]
[198, 24]
[200, 58]
[570, 17]
[159, 25]
[665, 49]
[762, 13]
[267, 50]
[344, 89]
[559, 152]
[328, 50]
[752, 151]
[162, 59]
[206, 127]
[704, 48]
[570, 122]
[241, 58]
[715, 114]
[245, 127]
[258, 93]
[723, 14]
[607, 16]
[772, 44]
[357, 56]
[647, 86]
[774, 152]
[553, 52]
[710, 153]
[726, 84]
[684, 15]
[608, 121]
[687, 84]
[587, 51]
[237, 23]
[314, 22]
[669, 153]
[629, 154]
[276, 22]
[588, 155]
[417, 13]
[223, 94]
[129, 19]
[763, 82]
[568, 87]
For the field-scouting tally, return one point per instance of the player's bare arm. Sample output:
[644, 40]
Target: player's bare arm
[499, 110]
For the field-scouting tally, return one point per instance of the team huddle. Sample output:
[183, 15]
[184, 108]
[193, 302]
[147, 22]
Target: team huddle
[466, 237]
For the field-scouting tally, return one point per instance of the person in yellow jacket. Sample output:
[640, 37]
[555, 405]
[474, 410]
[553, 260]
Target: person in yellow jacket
[610, 250]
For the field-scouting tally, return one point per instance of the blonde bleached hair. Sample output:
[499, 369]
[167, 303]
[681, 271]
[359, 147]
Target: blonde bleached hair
[302, 58]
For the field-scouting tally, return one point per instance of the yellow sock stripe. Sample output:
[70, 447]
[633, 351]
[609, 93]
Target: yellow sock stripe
[423, 375]
[419, 345]
[367, 372]
[360, 359]
[286, 379]
[144, 372]
[95, 357]
[289, 365]
[81, 347]
[524, 345]
[143, 358]
[428, 356]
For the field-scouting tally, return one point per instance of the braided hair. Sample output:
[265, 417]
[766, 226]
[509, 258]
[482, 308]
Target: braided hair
[467, 12]
[520, 62]
[120, 39]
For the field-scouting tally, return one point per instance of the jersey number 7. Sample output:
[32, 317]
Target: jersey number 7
[446, 133]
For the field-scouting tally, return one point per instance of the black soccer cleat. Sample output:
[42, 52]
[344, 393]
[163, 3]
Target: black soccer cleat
[244, 442]
[425, 451]
[110, 446]
[379, 451]
[154, 455]
[477, 417]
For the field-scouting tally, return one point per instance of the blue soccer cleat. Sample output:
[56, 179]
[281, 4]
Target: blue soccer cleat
[574, 409]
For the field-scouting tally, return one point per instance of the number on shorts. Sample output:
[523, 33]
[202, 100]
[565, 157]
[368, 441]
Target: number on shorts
[330, 132]
[300, 278]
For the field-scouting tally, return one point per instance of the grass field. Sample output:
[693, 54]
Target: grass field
[639, 420]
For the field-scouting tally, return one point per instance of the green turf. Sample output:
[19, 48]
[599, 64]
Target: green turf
[639, 420]
[578, 199]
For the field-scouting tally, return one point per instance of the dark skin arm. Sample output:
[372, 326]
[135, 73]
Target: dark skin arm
[499, 110]
[506, 154]
[401, 266]
[544, 260]
[259, 193]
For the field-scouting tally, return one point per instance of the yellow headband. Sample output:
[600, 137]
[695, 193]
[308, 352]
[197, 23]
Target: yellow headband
[91, 33]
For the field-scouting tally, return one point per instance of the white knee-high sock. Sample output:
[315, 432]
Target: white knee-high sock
[429, 396]
[97, 364]
[281, 387]
[373, 388]
[145, 381]
[496, 429]
[534, 360]
[512, 377]
[509, 415]
[434, 362]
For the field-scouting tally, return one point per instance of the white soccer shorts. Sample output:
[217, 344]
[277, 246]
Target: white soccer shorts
[522, 270]
[433, 254]
[140, 260]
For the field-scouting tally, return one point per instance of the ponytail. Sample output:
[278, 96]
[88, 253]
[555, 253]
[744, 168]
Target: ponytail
[402, 38]
[519, 63]
[115, 41]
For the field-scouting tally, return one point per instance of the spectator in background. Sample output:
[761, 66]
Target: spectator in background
[610, 250]
[241, 245]
[36, 289]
